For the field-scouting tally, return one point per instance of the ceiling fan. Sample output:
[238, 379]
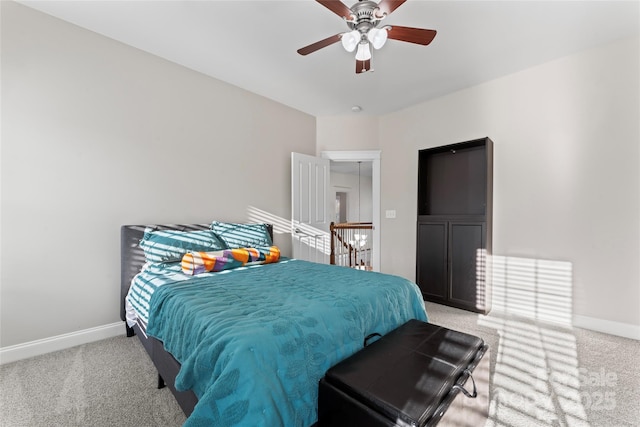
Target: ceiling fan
[363, 19]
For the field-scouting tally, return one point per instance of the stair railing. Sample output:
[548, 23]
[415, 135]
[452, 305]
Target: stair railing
[351, 244]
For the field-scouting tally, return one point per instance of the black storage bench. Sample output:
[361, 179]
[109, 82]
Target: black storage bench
[419, 374]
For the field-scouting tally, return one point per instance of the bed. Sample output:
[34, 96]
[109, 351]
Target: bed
[248, 345]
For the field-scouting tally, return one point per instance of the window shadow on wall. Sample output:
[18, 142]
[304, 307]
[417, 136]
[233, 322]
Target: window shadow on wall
[537, 378]
[313, 238]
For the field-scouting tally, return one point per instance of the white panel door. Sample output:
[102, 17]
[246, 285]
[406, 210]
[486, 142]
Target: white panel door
[309, 208]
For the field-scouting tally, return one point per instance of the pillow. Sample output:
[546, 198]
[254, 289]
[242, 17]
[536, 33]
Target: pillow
[171, 245]
[202, 262]
[242, 235]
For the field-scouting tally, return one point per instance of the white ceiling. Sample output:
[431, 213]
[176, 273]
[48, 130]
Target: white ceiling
[252, 44]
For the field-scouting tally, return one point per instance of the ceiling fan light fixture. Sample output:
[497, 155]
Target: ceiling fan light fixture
[364, 52]
[350, 40]
[377, 37]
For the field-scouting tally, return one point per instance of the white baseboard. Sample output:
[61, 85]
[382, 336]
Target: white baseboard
[625, 330]
[59, 342]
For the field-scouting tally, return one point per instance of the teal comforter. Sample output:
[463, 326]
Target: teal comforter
[254, 342]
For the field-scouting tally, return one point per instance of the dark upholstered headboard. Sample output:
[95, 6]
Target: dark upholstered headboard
[132, 257]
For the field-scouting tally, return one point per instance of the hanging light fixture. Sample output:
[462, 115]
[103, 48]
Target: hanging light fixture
[360, 239]
[364, 31]
[350, 40]
[364, 52]
[359, 193]
[377, 37]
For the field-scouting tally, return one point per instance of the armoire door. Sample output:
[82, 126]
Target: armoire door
[466, 263]
[432, 262]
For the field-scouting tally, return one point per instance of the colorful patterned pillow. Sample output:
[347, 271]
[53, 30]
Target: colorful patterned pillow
[202, 262]
[171, 245]
[242, 235]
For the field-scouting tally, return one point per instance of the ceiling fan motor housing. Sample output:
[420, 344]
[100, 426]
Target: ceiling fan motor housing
[365, 17]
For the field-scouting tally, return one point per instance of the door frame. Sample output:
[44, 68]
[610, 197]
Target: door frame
[366, 156]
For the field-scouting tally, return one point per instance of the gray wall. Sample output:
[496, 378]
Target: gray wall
[96, 134]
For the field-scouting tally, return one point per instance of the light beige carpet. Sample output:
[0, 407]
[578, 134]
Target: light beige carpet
[545, 374]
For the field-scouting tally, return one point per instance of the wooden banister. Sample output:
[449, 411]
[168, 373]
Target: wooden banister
[341, 245]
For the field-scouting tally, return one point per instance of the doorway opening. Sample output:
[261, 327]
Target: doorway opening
[357, 173]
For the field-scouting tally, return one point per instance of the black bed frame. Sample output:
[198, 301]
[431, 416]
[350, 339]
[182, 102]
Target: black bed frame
[131, 261]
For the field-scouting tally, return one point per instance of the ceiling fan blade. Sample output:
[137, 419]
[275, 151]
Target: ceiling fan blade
[337, 7]
[388, 6]
[363, 66]
[411, 35]
[319, 45]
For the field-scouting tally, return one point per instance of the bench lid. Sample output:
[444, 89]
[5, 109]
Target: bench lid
[407, 373]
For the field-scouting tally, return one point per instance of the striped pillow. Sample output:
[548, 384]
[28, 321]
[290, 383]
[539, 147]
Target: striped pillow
[242, 235]
[171, 245]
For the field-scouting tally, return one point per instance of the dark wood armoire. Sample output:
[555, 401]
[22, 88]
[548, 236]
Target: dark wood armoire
[455, 194]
